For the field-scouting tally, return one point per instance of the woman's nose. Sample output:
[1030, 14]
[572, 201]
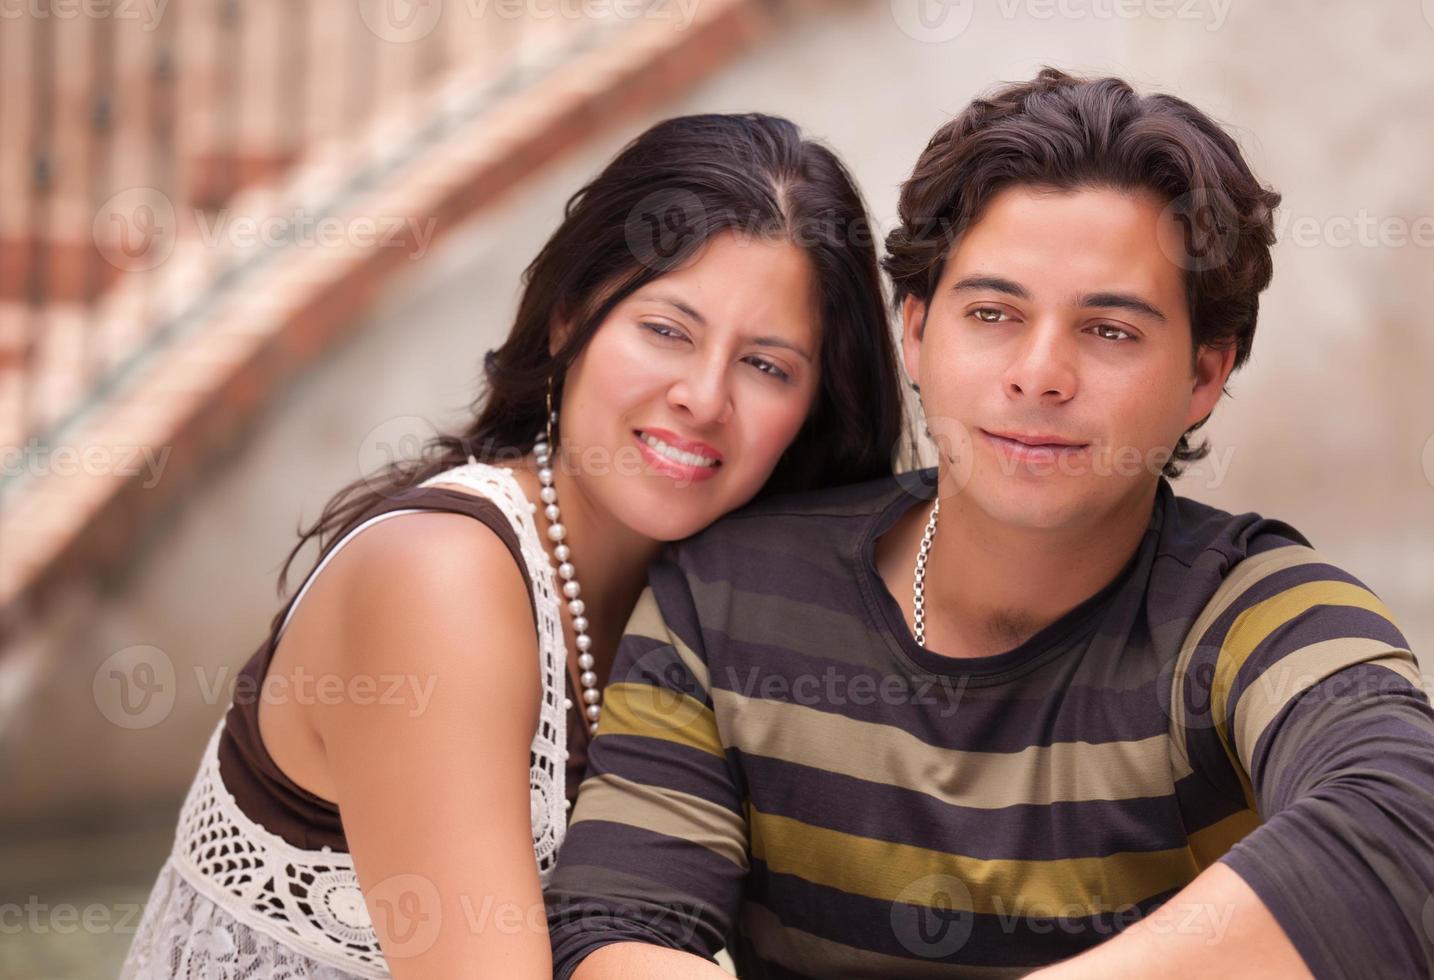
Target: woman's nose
[703, 394]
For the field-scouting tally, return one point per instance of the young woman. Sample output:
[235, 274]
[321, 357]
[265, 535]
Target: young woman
[705, 327]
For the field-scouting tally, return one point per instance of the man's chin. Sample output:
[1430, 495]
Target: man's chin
[1047, 503]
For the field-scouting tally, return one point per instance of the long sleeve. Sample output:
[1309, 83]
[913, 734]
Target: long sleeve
[657, 848]
[1311, 707]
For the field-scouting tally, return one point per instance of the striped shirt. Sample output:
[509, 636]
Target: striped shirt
[782, 770]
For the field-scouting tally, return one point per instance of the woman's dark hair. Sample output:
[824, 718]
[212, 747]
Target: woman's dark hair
[1066, 133]
[665, 194]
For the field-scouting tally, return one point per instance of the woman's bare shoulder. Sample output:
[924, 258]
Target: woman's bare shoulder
[433, 565]
[427, 595]
[433, 578]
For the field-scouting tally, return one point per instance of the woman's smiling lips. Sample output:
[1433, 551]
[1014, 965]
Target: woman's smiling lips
[686, 467]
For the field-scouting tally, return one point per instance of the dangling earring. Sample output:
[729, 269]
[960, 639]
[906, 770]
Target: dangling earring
[552, 415]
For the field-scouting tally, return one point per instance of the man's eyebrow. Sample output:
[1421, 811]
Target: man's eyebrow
[1106, 301]
[1122, 301]
[759, 341]
[997, 284]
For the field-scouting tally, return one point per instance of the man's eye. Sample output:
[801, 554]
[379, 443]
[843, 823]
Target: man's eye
[988, 315]
[1125, 334]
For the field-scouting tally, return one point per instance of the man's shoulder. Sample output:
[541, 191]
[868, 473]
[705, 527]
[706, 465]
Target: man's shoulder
[830, 506]
[1195, 533]
[1263, 617]
[846, 500]
[1219, 563]
[805, 528]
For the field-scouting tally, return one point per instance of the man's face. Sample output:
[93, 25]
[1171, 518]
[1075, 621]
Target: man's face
[1060, 316]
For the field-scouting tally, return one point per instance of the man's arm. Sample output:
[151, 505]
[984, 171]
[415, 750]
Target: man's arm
[619, 961]
[652, 867]
[1310, 706]
[1215, 925]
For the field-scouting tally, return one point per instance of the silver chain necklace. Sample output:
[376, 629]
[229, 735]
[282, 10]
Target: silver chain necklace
[918, 582]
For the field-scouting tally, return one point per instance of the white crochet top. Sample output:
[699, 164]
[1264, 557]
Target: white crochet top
[236, 902]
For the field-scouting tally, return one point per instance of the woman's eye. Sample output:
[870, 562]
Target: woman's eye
[666, 332]
[767, 367]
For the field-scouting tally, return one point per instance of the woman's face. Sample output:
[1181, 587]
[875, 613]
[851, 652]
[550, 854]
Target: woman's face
[680, 406]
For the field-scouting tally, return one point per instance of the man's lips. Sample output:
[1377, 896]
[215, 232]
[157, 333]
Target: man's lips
[1038, 439]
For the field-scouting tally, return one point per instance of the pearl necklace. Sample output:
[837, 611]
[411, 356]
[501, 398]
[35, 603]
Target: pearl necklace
[592, 694]
[918, 581]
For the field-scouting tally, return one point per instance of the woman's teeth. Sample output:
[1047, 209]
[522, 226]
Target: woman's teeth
[674, 454]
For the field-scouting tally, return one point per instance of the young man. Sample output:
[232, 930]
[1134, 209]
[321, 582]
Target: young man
[1028, 709]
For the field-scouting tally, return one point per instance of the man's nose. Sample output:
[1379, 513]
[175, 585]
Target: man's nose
[1043, 365]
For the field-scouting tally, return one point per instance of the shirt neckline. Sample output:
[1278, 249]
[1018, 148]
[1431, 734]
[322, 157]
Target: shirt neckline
[919, 487]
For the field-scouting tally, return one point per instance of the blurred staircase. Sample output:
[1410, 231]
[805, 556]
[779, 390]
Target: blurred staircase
[198, 197]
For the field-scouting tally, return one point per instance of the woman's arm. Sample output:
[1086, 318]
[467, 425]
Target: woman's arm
[428, 747]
